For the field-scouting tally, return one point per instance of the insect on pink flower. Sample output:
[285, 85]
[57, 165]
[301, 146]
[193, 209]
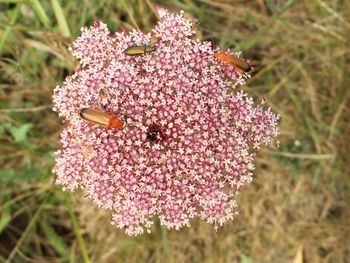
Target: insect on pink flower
[186, 146]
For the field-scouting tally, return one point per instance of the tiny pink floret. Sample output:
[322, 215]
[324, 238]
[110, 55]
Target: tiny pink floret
[187, 146]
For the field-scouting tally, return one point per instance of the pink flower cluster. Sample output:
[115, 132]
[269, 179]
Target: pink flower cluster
[187, 145]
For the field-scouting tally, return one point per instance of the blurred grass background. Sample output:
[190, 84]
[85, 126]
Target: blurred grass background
[296, 209]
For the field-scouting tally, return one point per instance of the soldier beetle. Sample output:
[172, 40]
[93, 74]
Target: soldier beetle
[238, 63]
[101, 118]
[141, 50]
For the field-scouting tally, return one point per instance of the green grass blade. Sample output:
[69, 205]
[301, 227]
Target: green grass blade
[5, 219]
[164, 240]
[56, 241]
[62, 22]
[40, 12]
[76, 228]
[14, 17]
[12, 1]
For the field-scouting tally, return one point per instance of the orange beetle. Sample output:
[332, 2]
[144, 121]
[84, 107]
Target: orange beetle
[100, 118]
[238, 63]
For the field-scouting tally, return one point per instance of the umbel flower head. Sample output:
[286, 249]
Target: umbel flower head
[187, 145]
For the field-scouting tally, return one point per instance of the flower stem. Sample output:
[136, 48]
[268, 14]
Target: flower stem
[76, 228]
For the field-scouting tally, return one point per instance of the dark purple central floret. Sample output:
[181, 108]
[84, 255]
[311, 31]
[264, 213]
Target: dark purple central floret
[155, 133]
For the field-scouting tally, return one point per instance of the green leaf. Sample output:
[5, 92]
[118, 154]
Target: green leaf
[20, 134]
[19, 117]
[29, 174]
[11, 175]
